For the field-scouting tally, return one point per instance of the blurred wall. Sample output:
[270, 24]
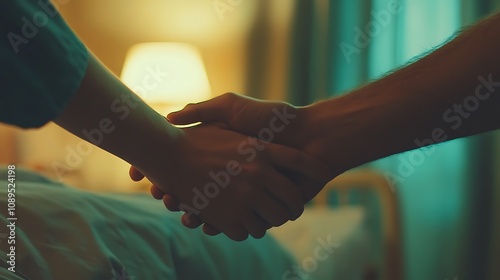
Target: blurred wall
[110, 27]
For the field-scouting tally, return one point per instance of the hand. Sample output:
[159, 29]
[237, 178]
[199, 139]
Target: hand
[223, 170]
[172, 204]
[251, 116]
[290, 126]
[248, 116]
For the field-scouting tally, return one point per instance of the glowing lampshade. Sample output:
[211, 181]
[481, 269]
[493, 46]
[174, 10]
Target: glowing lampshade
[167, 76]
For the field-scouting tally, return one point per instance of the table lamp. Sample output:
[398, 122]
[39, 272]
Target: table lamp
[167, 76]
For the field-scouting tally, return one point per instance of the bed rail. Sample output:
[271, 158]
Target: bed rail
[370, 179]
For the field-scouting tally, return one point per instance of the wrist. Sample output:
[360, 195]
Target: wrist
[343, 132]
[158, 148]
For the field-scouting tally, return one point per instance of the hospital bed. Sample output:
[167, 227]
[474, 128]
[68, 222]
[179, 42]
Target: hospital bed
[66, 233]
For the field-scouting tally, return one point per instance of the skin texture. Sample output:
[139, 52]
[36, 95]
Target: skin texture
[250, 192]
[451, 93]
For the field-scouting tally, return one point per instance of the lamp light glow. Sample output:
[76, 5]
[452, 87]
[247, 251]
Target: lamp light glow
[167, 76]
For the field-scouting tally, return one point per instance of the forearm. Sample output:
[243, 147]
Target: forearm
[107, 114]
[444, 96]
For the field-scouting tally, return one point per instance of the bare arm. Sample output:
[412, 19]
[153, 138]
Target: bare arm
[107, 114]
[453, 92]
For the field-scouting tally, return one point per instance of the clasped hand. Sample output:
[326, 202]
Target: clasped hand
[235, 183]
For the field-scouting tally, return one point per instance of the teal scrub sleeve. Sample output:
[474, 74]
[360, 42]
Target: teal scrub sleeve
[42, 63]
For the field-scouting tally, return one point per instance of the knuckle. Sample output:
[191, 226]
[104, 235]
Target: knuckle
[229, 95]
[274, 222]
[259, 234]
[280, 222]
[297, 212]
[296, 196]
[243, 195]
[296, 157]
[280, 218]
[253, 169]
[300, 157]
[237, 235]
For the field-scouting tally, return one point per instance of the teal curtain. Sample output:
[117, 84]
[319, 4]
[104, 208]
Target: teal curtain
[494, 238]
[444, 200]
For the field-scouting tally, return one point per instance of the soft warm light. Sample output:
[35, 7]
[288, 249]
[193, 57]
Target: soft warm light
[166, 75]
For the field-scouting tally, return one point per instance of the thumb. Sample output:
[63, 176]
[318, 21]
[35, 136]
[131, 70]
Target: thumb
[214, 110]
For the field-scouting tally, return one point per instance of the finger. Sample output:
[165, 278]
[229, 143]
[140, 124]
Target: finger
[217, 109]
[135, 174]
[171, 203]
[255, 226]
[271, 210]
[221, 125]
[236, 233]
[156, 192]
[288, 193]
[191, 221]
[210, 230]
[286, 158]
